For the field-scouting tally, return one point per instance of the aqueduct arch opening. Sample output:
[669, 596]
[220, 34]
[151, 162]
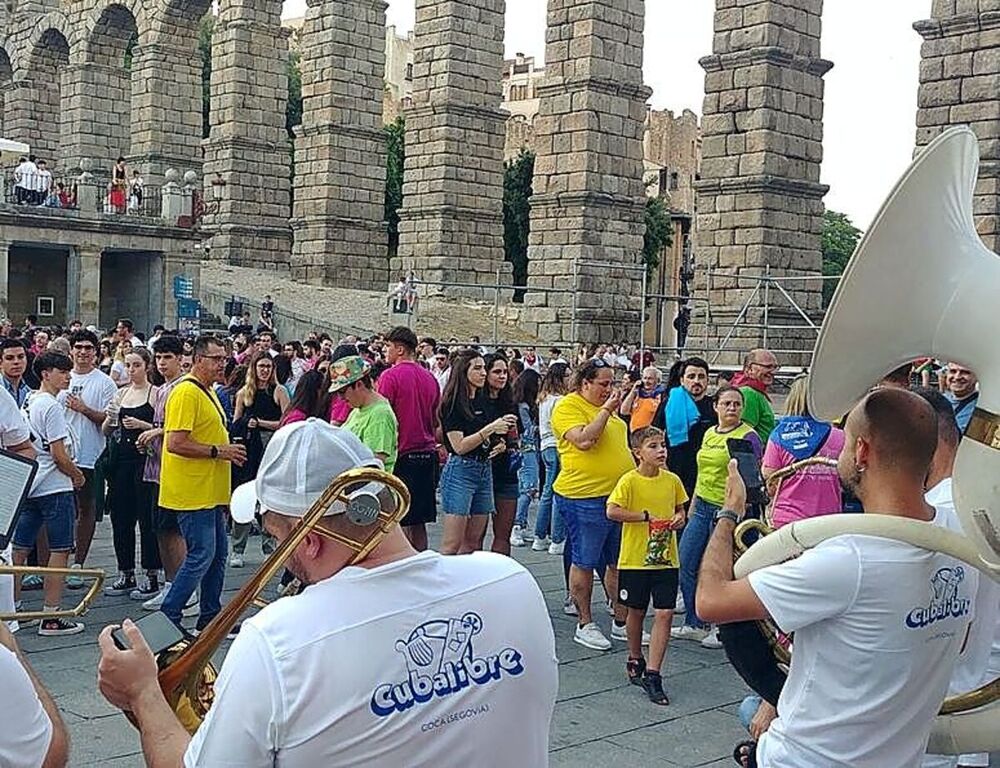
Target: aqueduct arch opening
[47, 63]
[6, 77]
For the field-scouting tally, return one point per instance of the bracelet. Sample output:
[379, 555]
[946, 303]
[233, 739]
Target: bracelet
[727, 514]
[645, 515]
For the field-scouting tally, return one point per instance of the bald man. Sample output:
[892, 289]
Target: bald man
[759, 367]
[878, 623]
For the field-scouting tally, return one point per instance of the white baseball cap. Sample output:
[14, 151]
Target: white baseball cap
[298, 464]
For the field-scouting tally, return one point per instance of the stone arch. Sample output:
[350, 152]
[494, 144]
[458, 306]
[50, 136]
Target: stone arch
[54, 21]
[48, 57]
[111, 30]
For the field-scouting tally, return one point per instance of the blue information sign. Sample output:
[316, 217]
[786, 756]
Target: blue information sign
[183, 287]
[188, 308]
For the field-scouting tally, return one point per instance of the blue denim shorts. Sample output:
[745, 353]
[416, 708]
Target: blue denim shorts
[57, 512]
[593, 538]
[467, 487]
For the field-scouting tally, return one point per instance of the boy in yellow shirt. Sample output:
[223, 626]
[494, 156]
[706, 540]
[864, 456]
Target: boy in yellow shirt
[649, 503]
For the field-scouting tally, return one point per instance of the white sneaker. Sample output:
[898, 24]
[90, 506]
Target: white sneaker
[517, 537]
[590, 636]
[569, 607]
[192, 608]
[685, 632]
[557, 548]
[711, 640]
[679, 606]
[619, 633]
[156, 602]
[236, 560]
[610, 608]
[540, 544]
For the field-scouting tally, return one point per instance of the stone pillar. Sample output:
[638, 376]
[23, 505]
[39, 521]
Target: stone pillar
[339, 225]
[17, 101]
[165, 121]
[248, 147]
[760, 203]
[587, 210]
[959, 80]
[95, 116]
[451, 224]
[5, 246]
[83, 284]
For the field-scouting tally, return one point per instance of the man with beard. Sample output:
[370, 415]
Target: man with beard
[684, 416]
[962, 393]
[434, 630]
[878, 623]
[757, 375]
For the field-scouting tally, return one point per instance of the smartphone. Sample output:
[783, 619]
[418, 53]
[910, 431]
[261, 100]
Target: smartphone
[746, 462]
[159, 632]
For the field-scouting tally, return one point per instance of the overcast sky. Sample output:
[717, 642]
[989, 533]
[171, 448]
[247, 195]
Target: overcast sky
[871, 93]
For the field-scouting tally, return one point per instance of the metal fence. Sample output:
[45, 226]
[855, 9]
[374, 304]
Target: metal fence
[43, 190]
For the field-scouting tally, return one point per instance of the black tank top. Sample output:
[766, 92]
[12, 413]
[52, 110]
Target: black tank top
[127, 437]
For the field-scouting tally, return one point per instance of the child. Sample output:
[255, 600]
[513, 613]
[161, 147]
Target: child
[649, 503]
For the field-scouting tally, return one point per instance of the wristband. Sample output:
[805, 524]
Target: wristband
[727, 514]
[645, 515]
[215, 452]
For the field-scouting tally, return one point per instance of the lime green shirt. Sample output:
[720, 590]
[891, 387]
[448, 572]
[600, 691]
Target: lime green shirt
[713, 463]
[757, 412]
[376, 426]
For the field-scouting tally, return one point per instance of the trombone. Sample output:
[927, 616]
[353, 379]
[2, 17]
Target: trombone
[19, 571]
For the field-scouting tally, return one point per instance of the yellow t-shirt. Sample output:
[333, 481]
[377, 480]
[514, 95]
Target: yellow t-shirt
[592, 473]
[649, 545]
[187, 484]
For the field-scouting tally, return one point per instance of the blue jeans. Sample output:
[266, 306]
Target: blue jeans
[204, 534]
[748, 708]
[691, 549]
[527, 486]
[56, 512]
[467, 487]
[594, 539]
[548, 513]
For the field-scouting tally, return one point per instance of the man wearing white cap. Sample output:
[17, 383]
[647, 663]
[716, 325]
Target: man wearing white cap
[403, 658]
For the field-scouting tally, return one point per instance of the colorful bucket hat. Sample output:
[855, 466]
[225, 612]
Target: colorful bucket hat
[347, 370]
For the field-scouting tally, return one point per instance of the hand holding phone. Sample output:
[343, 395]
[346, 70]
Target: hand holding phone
[749, 469]
[157, 630]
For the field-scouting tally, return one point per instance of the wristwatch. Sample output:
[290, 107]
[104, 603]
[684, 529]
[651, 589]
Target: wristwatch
[215, 451]
[727, 514]
[645, 515]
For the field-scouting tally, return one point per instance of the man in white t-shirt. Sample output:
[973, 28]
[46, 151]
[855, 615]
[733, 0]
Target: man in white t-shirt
[14, 437]
[878, 623]
[403, 659]
[33, 733]
[89, 394]
[24, 180]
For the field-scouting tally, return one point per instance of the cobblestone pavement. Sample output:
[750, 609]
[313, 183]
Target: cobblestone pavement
[599, 719]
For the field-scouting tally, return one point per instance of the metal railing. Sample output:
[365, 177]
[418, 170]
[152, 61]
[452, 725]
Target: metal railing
[43, 190]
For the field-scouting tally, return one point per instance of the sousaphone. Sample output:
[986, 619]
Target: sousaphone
[920, 283]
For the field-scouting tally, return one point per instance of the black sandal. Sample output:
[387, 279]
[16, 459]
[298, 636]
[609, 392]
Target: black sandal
[652, 682]
[749, 755]
[635, 669]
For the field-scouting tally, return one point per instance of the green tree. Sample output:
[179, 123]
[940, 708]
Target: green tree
[517, 191]
[395, 140]
[840, 237]
[659, 232]
[293, 110]
[205, 30]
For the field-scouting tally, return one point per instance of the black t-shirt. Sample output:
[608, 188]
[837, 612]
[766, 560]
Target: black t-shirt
[454, 420]
[682, 459]
[501, 462]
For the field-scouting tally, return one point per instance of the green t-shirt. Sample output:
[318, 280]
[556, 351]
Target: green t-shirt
[757, 412]
[376, 426]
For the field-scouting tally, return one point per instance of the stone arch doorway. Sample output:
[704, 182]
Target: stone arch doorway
[102, 129]
[47, 64]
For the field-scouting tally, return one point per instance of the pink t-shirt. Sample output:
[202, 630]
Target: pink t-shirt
[413, 393]
[811, 492]
[340, 409]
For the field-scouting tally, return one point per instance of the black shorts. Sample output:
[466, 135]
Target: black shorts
[419, 472]
[637, 585]
[165, 520]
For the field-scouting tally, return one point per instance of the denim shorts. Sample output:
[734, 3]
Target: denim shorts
[593, 538]
[57, 512]
[467, 487]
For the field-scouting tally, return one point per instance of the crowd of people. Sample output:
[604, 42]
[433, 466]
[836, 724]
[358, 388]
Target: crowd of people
[33, 184]
[625, 469]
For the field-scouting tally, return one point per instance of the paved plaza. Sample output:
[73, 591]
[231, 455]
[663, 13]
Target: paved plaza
[599, 718]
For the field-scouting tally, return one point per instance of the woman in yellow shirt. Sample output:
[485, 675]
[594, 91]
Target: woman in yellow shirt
[593, 454]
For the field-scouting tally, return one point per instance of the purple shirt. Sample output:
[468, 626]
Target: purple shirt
[413, 393]
[151, 471]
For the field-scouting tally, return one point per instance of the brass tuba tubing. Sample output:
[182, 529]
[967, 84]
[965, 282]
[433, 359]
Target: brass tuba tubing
[186, 676]
[78, 610]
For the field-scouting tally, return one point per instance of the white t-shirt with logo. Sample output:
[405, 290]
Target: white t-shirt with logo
[47, 420]
[425, 662]
[27, 730]
[96, 389]
[878, 625]
[975, 655]
[13, 427]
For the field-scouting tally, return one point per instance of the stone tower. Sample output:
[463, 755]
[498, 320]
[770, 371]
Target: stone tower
[760, 203]
[959, 72]
[451, 224]
[339, 221]
[248, 147]
[587, 209]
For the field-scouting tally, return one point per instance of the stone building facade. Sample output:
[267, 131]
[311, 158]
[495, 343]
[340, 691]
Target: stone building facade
[398, 95]
[520, 79]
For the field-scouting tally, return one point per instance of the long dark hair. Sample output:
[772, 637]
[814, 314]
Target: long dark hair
[311, 396]
[505, 397]
[526, 391]
[554, 382]
[456, 391]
